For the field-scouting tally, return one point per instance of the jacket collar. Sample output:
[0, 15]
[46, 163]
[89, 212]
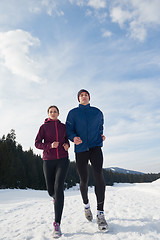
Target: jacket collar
[84, 106]
[50, 120]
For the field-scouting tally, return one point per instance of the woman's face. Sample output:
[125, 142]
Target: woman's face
[53, 113]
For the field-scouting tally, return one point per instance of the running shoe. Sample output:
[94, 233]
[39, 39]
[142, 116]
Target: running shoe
[57, 230]
[102, 224]
[88, 214]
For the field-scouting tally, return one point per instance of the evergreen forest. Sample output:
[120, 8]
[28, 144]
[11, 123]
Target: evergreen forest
[24, 169]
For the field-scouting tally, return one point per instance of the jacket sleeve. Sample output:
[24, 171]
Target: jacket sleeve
[39, 140]
[101, 123]
[66, 138]
[71, 133]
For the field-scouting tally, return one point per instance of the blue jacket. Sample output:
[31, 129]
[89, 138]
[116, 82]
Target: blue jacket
[85, 122]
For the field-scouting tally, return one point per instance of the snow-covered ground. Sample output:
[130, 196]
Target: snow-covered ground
[132, 212]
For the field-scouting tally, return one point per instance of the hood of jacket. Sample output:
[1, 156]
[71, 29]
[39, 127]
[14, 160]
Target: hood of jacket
[48, 120]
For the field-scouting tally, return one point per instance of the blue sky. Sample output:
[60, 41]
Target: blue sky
[49, 50]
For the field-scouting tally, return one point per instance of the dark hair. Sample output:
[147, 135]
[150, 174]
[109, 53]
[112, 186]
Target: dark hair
[53, 106]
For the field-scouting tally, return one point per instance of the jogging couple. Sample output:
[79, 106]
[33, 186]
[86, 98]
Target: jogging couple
[84, 127]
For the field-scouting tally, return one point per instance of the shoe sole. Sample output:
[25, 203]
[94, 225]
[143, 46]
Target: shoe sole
[57, 236]
[103, 229]
[89, 219]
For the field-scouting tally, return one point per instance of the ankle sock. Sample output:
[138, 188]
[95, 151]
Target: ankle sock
[86, 206]
[100, 212]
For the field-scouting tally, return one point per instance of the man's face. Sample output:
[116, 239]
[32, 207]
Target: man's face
[84, 98]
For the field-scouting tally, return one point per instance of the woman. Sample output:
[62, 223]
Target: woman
[52, 139]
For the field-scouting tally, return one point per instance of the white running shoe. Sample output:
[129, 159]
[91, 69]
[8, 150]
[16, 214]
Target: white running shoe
[102, 224]
[88, 214]
[57, 230]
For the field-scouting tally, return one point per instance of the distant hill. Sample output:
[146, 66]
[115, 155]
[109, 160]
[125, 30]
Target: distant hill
[121, 170]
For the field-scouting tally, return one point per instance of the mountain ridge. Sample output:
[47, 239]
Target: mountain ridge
[122, 170]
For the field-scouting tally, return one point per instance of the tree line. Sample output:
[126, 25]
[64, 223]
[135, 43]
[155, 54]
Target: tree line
[24, 169]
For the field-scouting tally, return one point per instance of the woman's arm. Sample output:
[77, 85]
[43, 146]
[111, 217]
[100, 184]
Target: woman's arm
[39, 140]
[66, 145]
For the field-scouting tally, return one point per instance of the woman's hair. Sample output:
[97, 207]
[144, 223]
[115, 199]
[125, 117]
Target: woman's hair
[53, 106]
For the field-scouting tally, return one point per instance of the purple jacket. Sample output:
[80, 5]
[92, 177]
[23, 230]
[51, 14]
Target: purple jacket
[50, 132]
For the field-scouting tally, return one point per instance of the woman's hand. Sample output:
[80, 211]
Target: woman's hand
[54, 144]
[66, 146]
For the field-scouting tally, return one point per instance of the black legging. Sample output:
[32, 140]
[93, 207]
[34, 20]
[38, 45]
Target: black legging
[55, 172]
[96, 158]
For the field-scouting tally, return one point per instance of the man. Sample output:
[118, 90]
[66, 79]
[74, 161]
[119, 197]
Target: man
[84, 126]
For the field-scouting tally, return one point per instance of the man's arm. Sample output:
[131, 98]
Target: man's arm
[101, 123]
[101, 126]
[71, 132]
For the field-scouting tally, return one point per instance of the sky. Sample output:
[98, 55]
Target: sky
[50, 49]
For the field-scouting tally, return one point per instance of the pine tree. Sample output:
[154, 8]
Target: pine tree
[24, 169]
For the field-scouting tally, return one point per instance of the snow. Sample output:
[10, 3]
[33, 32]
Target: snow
[132, 212]
[112, 169]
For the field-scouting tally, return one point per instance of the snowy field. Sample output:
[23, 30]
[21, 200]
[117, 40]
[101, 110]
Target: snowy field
[132, 212]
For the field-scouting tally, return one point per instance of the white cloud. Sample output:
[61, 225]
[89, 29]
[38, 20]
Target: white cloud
[51, 7]
[17, 11]
[97, 4]
[138, 31]
[88, 12]
[136, 16]
[106, 33]
[15, 54]
[120, 16]
[80, 3]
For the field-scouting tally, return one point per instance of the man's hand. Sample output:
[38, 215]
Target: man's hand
[66, 146]
[77, 140]
[54, 144]
[103, 137]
